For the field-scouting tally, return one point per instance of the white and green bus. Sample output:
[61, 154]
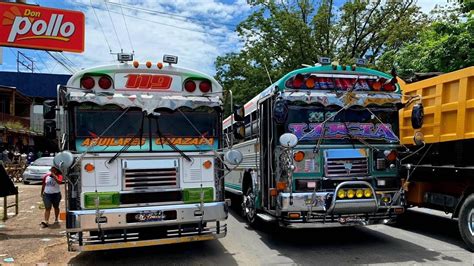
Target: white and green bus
[140, 146]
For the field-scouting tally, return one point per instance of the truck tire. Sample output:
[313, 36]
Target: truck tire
[466, 222]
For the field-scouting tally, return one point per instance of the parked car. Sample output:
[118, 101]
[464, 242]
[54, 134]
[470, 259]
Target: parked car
[37, 169]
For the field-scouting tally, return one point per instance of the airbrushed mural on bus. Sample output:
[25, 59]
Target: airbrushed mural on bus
[320, 148]
[140, 155]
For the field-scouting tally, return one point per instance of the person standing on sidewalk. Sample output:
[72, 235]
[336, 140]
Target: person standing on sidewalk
[51, 194]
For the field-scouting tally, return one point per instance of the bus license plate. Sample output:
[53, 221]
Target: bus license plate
[149, 216]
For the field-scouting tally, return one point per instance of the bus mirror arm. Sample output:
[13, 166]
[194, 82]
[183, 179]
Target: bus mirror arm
[231, 118]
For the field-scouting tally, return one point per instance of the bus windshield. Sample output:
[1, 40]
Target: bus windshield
[185, 123]
[192, 128]
[103, 116]
[310, 123]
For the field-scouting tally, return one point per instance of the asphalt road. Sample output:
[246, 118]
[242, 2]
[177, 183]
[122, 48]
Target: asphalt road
[418, 238]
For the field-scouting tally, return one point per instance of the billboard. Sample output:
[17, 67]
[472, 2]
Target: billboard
[35, 27]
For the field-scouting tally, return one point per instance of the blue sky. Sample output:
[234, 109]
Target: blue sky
[195, 30]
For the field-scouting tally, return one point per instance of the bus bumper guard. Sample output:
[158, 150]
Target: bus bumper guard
[118, 231]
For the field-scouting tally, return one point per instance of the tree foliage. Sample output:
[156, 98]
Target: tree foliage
[280, 36]
[446, 45]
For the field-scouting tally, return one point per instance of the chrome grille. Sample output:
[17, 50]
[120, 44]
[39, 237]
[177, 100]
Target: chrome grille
[150, 174]
[150, 178]
[346, 167]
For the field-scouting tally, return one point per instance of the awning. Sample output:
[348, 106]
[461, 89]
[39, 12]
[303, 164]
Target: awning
[343, 98]
[147, 102]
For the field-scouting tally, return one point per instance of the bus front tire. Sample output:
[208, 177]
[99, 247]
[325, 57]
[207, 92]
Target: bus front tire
[466, 222]
[248, 206]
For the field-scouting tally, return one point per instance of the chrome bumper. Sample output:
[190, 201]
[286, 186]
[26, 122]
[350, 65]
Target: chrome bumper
[113, 232]
[85, 220]
[323, 209]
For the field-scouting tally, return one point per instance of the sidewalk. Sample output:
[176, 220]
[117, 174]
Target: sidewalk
[21, 237]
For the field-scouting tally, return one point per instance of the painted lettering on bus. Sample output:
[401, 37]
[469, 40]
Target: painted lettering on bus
[112, 142]
[185, 141]
[337, 130]
[148, 81]
[136, 142]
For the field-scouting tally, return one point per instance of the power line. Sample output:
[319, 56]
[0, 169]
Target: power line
[42, 61]
[126, 28]
[171, 15]
[67, 59]
[159, 23]
[173, 26]
[100, 25]
[65, 65]
[113, 25]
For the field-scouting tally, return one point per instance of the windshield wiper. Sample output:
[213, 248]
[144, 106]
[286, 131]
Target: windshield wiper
[171, 144]
[126, 146]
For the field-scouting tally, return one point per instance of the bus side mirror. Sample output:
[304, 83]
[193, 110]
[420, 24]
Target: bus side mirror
[288, 140]
[417, 114]
[233, 157]
[49, 129]
[419, 139]
[63, 161]
[49, 109]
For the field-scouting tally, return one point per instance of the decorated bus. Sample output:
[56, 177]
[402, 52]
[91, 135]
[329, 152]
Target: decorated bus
[140, 152]
[320, 148]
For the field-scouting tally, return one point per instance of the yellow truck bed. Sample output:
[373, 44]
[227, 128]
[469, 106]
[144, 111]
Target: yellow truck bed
[448, 102]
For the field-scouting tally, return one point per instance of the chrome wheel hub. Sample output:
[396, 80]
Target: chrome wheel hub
[249, 205]
[470, 222]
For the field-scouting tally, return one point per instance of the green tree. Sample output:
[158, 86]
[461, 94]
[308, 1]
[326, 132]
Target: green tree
[442, 47]
[280, 36]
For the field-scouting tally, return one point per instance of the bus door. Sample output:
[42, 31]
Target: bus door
[266, 151]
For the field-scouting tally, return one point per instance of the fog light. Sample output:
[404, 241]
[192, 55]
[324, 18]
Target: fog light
[294, 215]
[359, 193]
[350, 193]
[341, 194]
[367, 192]
[386, 199]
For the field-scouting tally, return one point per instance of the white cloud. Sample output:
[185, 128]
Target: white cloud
[197, 31]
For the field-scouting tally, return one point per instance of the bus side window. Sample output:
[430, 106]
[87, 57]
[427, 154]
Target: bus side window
[247, 122]
[254, 123]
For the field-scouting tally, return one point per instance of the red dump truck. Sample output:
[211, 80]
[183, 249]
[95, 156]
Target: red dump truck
[440, 171]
